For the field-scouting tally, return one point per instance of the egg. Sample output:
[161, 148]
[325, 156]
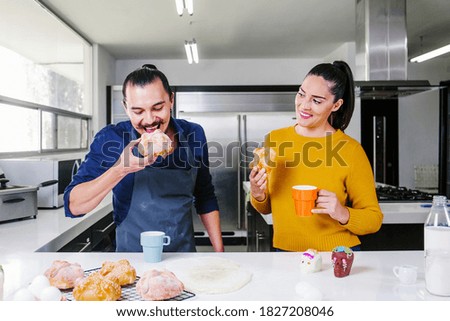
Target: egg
[50, 293]
[39, 283]
[23, 294]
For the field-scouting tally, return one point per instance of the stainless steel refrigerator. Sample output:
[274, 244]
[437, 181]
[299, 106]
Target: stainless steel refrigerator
[235, 122]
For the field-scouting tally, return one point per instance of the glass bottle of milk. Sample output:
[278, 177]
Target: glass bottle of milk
[437, 248]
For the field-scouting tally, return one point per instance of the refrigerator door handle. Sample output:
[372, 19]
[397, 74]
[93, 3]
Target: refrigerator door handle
[239, 178]
[244, 144]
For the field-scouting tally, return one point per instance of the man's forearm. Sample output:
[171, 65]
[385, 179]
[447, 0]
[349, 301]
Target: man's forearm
[86, 196]
[211, 221]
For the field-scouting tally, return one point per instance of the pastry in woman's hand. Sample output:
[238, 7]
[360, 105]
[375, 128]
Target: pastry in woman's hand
[263, 158]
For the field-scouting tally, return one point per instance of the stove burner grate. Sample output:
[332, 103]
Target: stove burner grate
[402, 194]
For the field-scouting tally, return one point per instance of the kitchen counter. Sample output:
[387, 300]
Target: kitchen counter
[275, 274]
[49, 231]
[394, 213]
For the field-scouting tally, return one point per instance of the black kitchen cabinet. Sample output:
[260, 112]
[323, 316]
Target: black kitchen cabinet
[99, 237]
[259, 233]
[394, 237]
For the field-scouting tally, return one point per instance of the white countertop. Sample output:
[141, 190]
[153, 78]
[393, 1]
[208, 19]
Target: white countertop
[394, 213]
[49, 231]
[274, 274]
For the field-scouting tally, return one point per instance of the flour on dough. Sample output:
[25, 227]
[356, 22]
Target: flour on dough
[212, 275]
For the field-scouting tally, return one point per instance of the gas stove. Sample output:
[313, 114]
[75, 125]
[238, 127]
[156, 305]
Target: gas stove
[388, 193]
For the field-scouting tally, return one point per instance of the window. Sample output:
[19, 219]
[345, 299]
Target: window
[45, 82]
[18, 137]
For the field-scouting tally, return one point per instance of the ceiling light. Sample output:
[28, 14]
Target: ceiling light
[431, 54]
[187, 47]
[189, 4]
[182, 4]
[194, 51]
[191, 51]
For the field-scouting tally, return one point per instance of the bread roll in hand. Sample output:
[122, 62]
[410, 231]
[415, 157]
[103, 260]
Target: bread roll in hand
[155, 144]
[263, 158]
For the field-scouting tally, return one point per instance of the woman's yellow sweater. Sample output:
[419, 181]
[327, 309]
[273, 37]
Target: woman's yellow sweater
[336, 163]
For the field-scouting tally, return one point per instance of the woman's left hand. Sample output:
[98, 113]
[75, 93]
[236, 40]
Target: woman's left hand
[328, 203]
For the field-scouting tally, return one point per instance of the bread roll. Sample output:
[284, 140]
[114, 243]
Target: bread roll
[63, 274]
[263, 158]
[155, 144]
[122, 270]
[97, 287]
[157, 285]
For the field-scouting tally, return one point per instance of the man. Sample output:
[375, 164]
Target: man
[148, 193]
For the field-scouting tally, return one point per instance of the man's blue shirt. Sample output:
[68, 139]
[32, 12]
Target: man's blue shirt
[109, 143]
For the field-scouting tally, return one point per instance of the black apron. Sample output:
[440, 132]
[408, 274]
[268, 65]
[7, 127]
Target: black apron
[161, 201]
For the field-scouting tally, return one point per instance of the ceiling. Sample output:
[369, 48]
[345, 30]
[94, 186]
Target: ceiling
[237, 29]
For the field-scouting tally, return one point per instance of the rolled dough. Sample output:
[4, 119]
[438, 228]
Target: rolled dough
[212, 275]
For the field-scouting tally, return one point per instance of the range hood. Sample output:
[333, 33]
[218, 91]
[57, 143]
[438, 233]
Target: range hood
[391, 89]
[381, 51]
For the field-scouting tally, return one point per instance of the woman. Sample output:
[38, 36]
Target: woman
[315, 151]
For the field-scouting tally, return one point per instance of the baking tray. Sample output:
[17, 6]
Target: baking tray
[129, 291]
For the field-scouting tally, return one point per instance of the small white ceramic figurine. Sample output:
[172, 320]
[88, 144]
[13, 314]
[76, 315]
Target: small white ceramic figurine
[311, 261]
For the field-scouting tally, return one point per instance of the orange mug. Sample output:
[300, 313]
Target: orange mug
[304, 199]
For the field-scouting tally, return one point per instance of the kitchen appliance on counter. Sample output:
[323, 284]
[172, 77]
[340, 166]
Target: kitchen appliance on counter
[33, 171]
[235, 119]
[16, 202]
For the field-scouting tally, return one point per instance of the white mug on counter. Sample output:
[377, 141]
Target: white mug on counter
[407, 274]
[152, 245]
